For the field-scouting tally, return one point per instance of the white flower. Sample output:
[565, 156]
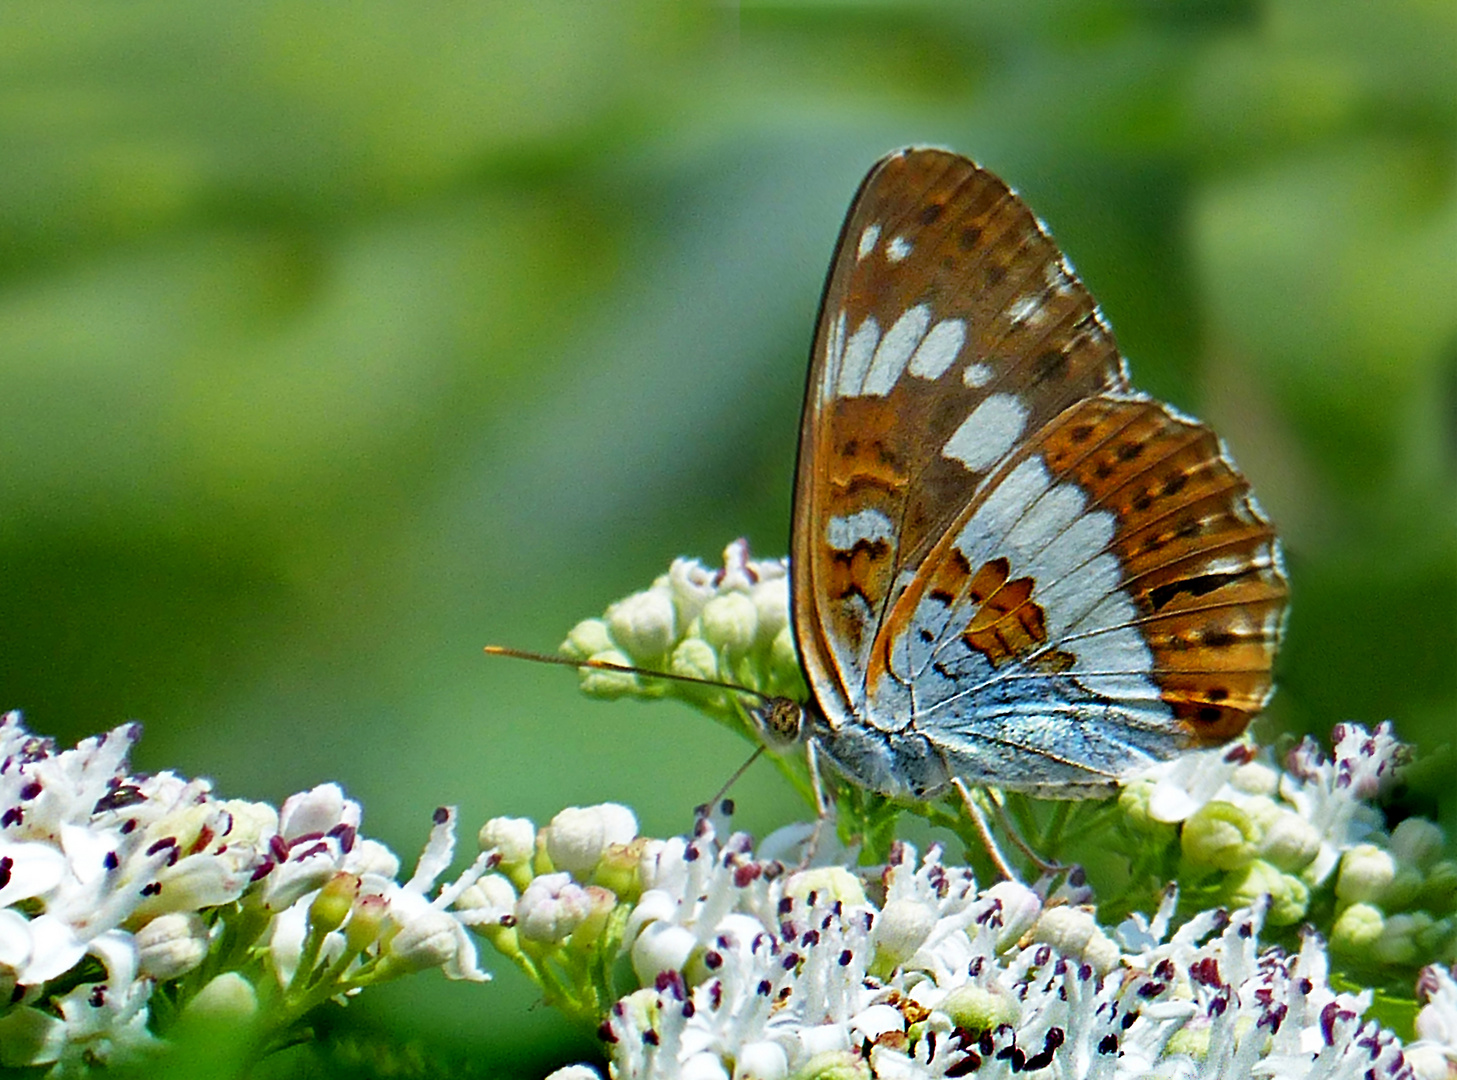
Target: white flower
[171, 945]
[552, 906]
[514, 839]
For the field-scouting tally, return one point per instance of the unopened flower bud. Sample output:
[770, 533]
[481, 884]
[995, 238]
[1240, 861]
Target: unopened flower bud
[229, 998]
[588, 638]
[784, 656]
[1439, 889]
[644, 624]
[661, 947]
[1400, 938]
[694, 658]
[331, 907]
[704, 1065]
[762, 1059]
[171, 945]
[1074, 932]
[606, 683]
[827, 883]
[574, 1072]
[1357, 928]
[1290, 842]
[602, 902]
[578, 835]
[730, 622]
[771, 607]
[1255, 778]
[1289, 897]
[1219, 834]
[1417, 842]
[513, 838]
[835, 1065]
[978, 1008]
[492, 896]
[901, 929]
[552, 906]
[365, 923]
[617, 869]
[1365, 874]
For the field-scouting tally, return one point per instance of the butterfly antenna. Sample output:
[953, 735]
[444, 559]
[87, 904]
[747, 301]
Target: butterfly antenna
[627, 669]
[734, 779]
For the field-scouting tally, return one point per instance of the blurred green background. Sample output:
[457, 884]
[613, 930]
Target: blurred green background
[337, 341]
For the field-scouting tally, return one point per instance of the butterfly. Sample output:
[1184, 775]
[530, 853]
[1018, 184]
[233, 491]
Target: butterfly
[1008, 567]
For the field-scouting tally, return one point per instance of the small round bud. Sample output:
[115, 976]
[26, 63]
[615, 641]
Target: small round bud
[331, 907]
[1417, 842]
[835, 1065]
[1255, 778]
[704, 1065]
[578, 835]
[661, 947]
[1401, 937]
[1357, 928]
[1219, 834]
[605, 683]
[1290, 841]
[171, 945]
[492, 896]
[1289, 897]
[644, 625]
[1365, 874]
[978, 1008]
[551, 908]
[901, 929]
[1439, 889]
[513, 838]
[695, 659]
[828, 883]
[1135, 804]
[602, 902]
[730, 622]
[1075, 933]
[588, 638]
[617, 869]
[574, 1072]
[771, 605]
[784, 657]
[761, 1060]
[229, 998]
[1191, 1040]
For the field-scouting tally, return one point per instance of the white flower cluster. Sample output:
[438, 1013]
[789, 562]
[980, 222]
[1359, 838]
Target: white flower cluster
[1285, 833]
[753, 971]
[112, 884]
[729, 624]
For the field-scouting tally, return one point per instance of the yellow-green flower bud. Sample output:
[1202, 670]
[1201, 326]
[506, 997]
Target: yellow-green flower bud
[365, 923]
[1290, 842]
[617, 869]
[978, 1008]
[601, 903]
[1221, 835]
[828, 882]
[1401, 938]
[331, 907]
[1191, 1040]
[600, 682]
[588, 638]
[1417, 842]
[695, 659]
[784, 656]
[1289, 896]
[1357, 928]
[835, 1065]
[1366, 873]
[1439, 890]
[228, 998]
[771, 606]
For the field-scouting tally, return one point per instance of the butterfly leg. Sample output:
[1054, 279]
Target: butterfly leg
[978, 819]
[1046, 868]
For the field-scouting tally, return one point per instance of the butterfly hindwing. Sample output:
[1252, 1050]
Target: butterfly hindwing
[1000, 550]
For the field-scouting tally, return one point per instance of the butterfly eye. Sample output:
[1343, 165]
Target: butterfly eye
[781, 723]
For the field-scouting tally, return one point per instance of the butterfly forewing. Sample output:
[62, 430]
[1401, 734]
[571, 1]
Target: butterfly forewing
[1027, 572]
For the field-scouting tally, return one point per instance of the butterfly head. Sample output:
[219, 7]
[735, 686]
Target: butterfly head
[782, 724]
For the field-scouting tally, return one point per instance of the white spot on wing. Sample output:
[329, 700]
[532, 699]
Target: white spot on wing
[867, 241]
[1028, 309]
[897, 249]
[895, 350]
[981, 537]
[859, 351]
[939, 350]
[976, 375]
[834, 355]
[843, 533]
[991, 430]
